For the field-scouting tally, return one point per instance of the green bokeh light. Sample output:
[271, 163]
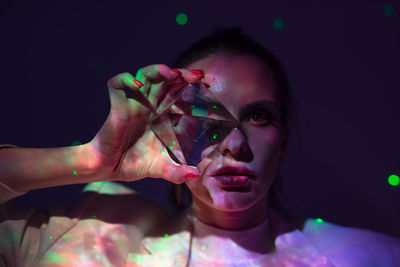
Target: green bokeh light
[181, 19]
[278, 24]
[97, 65]
[171, 147]
[74, 172]
[394, 180]
[165, 235]
[389, 10]
[50, 237]
[319, 220]
[76, 143]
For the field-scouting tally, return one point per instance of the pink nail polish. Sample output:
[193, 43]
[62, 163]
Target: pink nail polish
[198, 74]
[198, 70]
[177, 71]
[138, 83]
[192, 175]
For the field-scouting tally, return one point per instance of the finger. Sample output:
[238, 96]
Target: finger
[164, 81]
[160, 72]
[122, 80]
[187, 77]
[117, 84]
[163, 95]
[192, 76]
[154, 74]
[179, 173]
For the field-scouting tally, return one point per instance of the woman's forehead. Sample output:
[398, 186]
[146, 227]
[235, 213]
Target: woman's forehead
[237, 77]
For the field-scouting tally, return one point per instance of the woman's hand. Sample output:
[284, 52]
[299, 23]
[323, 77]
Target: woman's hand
[125, 148]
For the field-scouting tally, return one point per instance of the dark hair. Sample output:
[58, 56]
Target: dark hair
[232, 42]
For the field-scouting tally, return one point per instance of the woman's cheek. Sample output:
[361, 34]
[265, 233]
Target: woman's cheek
[207, 151]
[198, 188]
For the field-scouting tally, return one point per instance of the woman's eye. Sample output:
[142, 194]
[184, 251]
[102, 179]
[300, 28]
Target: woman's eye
[258, 117]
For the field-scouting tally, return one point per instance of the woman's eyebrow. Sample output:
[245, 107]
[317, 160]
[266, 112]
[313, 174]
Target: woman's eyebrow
[265, 104]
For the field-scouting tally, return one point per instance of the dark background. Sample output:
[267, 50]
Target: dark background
[342, 61]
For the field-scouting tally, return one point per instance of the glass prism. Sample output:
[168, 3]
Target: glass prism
[193, 125]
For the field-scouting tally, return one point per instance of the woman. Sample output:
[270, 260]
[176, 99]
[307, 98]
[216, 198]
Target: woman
[235, 218]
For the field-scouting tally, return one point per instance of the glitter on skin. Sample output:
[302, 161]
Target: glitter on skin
[74, 172]
[165, 235]
[394, 180]
[55, 257]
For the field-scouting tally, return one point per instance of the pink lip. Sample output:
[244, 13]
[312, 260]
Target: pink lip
[233, 176]
[234, 171]
[232, 180]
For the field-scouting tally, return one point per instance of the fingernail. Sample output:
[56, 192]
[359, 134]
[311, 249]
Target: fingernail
[138, 83]
[192, 175]
[177, 71]
[202, 71]
[198, 74]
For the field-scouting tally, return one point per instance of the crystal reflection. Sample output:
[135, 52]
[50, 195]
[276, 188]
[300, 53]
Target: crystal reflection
[194, 124]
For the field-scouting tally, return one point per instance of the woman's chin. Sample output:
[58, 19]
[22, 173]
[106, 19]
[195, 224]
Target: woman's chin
[232, 200]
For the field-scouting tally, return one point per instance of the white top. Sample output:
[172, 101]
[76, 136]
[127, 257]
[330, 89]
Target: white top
[111, 225]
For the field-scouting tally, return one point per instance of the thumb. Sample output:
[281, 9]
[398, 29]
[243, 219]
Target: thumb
[178, 174]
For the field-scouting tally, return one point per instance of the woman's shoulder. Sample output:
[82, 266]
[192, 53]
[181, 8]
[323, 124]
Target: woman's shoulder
[350, 246]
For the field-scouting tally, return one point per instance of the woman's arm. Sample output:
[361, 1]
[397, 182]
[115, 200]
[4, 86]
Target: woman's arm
[124, 149]
[25, 169]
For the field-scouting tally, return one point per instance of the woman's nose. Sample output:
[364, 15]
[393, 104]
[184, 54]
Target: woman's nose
[236, 145]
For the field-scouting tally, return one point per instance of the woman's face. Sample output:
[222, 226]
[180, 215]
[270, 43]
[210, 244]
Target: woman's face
[247, 159]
